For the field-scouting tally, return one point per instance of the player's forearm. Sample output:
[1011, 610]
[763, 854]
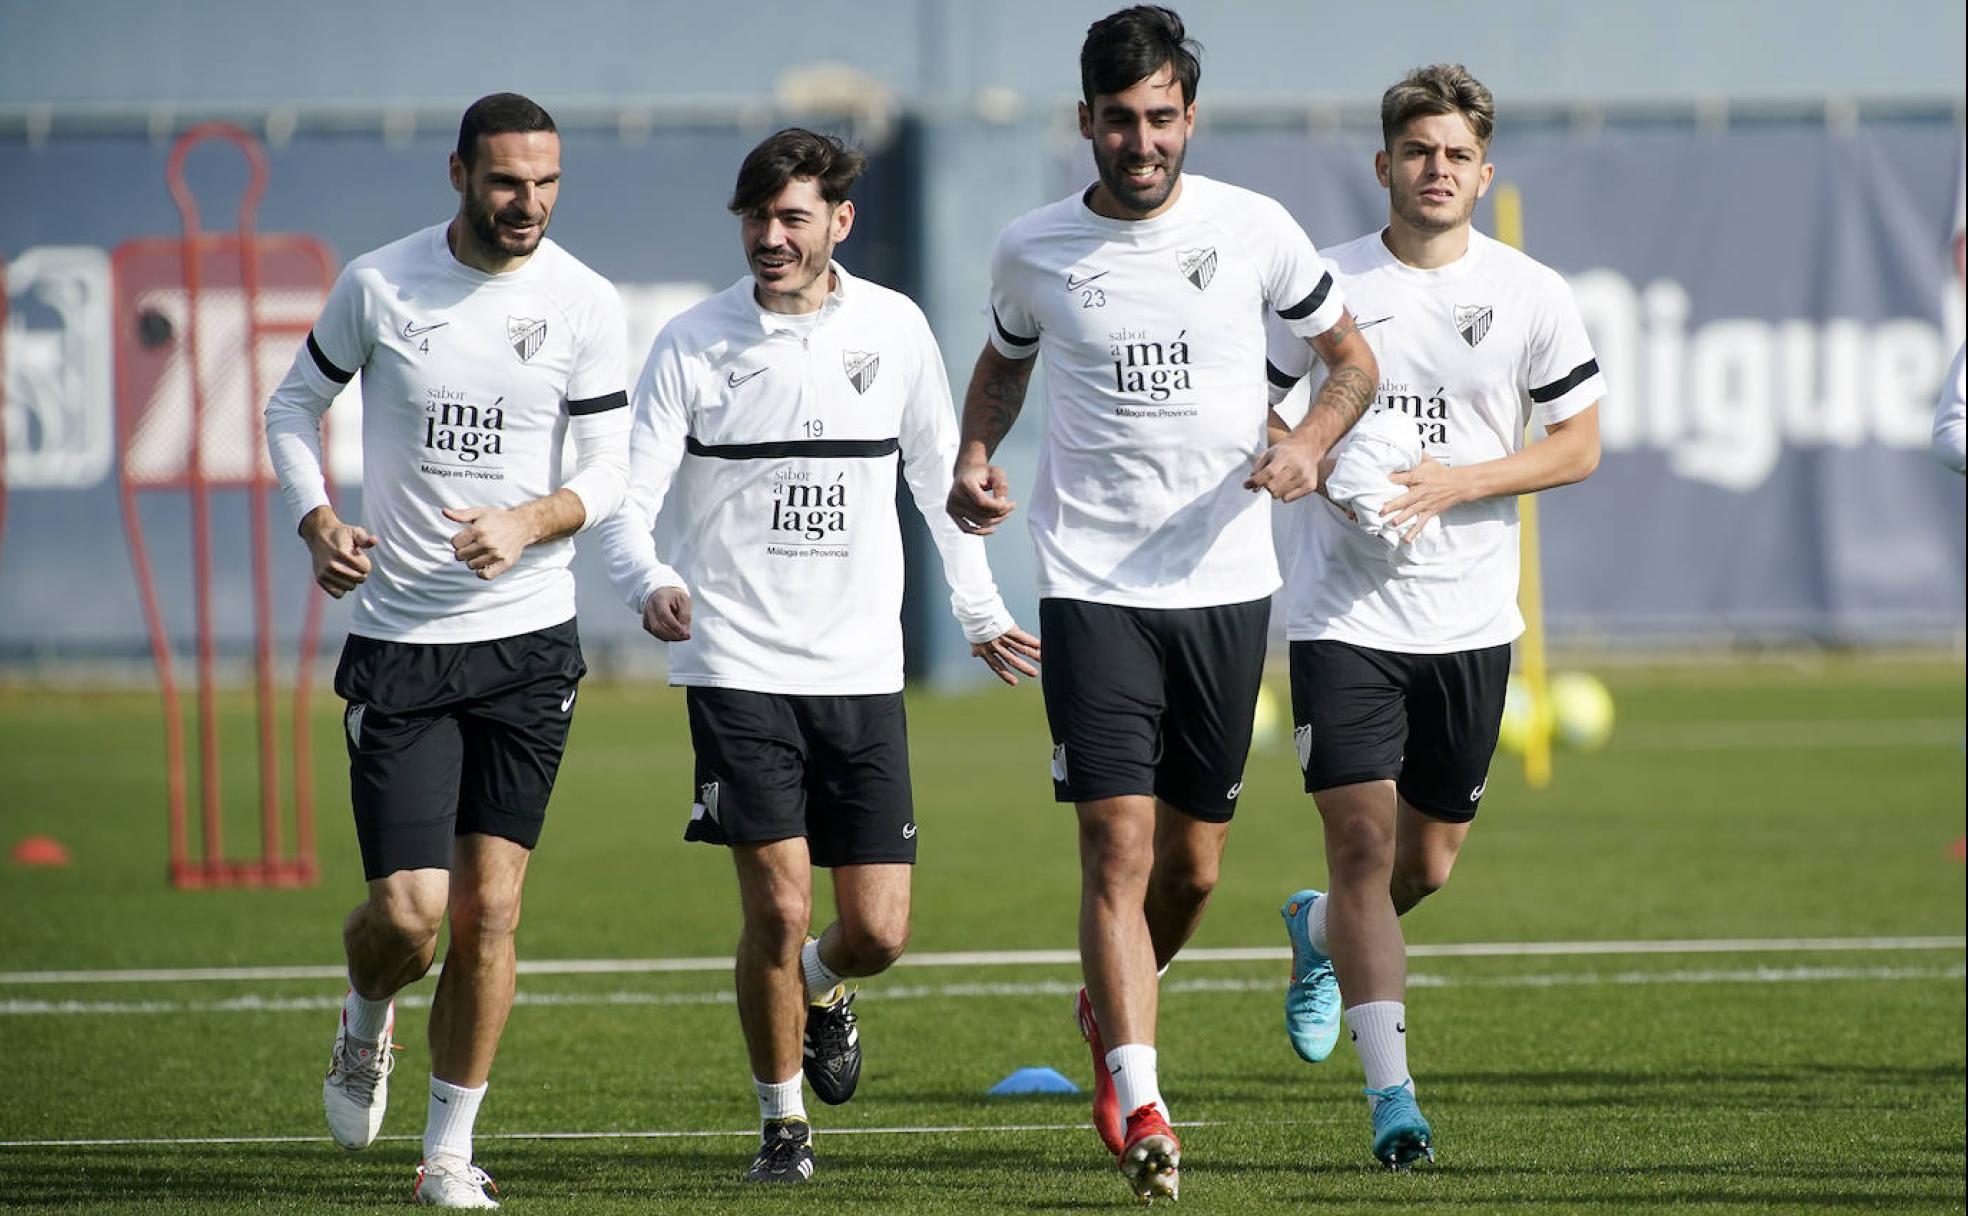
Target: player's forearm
[293, 438]
[557, 516]
[1352, 378]
[601, 472]
[628, 550]
[1342, 401]
[991, 404]
[1559, 459]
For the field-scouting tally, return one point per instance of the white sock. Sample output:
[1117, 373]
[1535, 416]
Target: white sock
[1380, 1035]
[1315, 925]
[365, 1019]
[820, 978]
[1135, 1084]
[780, 1099]
[448, 1126]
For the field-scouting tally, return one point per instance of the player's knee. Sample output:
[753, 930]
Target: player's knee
[1359, 848]
[1115, 855]
[873, 948]
[484, 915]
[1185, 885]
[410, 913]
[1423, 876]
[777, 927]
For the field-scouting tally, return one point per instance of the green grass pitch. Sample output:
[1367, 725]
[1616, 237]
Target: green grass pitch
[1766, 800]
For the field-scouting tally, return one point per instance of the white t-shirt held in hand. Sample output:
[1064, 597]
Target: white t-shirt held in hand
[1383, 443]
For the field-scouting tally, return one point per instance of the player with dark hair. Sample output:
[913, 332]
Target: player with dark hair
[481, 344]
[796, 154]
[1402, 603]
[499, 114]
[1145, 293]
[772, 417]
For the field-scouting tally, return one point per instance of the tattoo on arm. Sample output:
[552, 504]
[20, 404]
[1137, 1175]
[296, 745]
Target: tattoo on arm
[1350, 386]
[1347, 393]
[997, 394]
[1328, 343]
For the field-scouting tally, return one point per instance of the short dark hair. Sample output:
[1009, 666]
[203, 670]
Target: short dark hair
[1132, 45]
[499, 114]
[1439, 88]
[795, 153]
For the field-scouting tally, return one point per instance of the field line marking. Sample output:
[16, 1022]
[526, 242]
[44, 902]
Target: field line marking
[1029, 958]
[749, 1133]
[23, 1007]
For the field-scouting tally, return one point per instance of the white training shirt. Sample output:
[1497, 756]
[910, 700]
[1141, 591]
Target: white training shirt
[469, 382]
[1473, 351]
[775, 440]
[1153, 337]
[1951, 415]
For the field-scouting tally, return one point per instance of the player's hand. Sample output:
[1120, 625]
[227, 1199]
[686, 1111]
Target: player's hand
[1010, 653]
[336, 549]
[980, 498]
[666, 614]
[1288, 469]
[1432, 489]
[492, 540]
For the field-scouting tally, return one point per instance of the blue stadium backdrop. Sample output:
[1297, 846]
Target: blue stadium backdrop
[1774, 306]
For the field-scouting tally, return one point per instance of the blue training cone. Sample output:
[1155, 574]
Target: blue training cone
[1035, 1081]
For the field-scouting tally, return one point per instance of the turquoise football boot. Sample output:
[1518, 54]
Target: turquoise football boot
[1401, 1136]
[1312, 999]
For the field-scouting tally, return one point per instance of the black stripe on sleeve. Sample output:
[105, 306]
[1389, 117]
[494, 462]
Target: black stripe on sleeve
[1310, 304]
[845, 449]
[1558, 388]
[321, 361]
[1277, 377]
[597, 405]
[1007, 335]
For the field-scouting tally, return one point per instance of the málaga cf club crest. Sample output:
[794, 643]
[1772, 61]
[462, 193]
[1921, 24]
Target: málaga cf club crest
[1197, 265]
[1472, 322]
[861, 366]
[526, 335]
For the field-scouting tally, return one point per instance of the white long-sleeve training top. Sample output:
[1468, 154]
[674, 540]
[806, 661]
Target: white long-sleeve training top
[775, 439]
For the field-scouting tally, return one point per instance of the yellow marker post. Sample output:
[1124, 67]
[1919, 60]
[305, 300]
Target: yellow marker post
[1509, 204]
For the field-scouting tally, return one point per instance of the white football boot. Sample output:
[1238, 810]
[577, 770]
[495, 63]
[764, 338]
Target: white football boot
[357, 1089]
[453, 1182]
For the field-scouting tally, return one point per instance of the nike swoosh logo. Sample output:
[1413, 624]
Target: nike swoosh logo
[1372, 323]
[567, 704]
[1073, 284]
[734, 379]
[412, 330]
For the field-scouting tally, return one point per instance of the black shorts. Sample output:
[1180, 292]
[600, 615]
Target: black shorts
[1152, 701]
[452, 738]
[832, 769]
[1427, 722]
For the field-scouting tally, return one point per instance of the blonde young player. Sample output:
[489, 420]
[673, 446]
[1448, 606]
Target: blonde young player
[1403, 594]
[1145, 295]
[481, 344]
